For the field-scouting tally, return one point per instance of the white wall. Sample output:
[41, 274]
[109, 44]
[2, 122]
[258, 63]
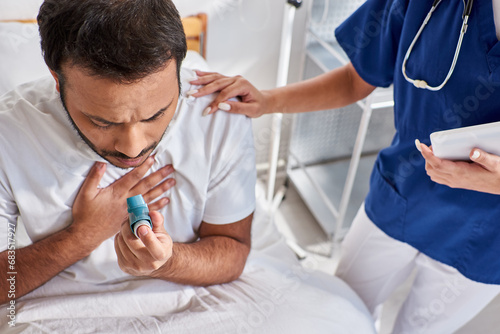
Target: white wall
[245, 39]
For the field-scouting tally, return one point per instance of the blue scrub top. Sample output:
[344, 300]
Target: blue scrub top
[458, 227]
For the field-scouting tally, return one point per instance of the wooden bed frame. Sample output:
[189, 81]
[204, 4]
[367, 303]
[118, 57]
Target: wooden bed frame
[195, 28]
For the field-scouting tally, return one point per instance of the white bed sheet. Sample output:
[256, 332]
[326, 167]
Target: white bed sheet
[275, 294]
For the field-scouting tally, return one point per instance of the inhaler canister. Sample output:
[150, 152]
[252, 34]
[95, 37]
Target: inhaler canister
[138, 213]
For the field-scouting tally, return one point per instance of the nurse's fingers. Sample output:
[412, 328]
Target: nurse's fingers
[249, 109]
[211, 82]
[430, 159]
[202, 78]
[213, 86]
[488, 161]
[440, 170]
[251, 102]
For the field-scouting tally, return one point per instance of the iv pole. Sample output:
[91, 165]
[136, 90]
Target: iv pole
[282, 78]
[284, 61]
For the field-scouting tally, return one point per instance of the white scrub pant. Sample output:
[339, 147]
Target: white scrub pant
[441, 300]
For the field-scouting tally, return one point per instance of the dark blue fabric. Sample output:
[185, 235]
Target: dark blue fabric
[458, 227]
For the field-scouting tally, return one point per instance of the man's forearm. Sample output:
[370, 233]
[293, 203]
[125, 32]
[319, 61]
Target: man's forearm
[211, 260]
[38, 263]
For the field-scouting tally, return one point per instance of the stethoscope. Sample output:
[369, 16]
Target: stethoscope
[421, 83]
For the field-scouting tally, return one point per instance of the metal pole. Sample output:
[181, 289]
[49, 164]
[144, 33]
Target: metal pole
[282, 78]
[353, 166]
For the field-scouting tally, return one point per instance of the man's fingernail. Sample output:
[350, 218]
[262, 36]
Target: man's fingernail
[417, 144]
[206, 111]
[142, 231]
[224, 106]
[475, 155]
[167, 170]
[191, 92]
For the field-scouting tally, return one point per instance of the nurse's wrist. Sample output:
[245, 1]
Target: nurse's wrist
[269, 103]
[274, 101]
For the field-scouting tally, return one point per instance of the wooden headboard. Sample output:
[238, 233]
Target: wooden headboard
[195, 28]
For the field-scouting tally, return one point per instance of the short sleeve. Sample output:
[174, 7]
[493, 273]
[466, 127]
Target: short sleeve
[231, 189]
[370, 37]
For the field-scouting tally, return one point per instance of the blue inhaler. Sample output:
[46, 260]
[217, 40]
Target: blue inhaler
[138, 213]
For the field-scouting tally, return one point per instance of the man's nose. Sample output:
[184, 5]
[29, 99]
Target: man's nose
[131, 141]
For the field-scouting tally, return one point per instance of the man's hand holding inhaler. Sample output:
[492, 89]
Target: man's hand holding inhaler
[142, 245]
[93, 204]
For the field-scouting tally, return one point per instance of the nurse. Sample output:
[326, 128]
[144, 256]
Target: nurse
[445, 228]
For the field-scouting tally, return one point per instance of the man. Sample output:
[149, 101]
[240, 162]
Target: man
[75, 147]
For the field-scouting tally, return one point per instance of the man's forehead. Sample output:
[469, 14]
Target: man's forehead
[69, 68]
[164, 81]
[118, 102]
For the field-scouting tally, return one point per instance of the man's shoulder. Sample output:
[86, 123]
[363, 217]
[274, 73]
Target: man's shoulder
[217, 127]
[27, 96]
[26, 109]
[190, 111]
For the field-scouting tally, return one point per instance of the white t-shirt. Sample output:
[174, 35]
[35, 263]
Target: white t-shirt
[43, 163]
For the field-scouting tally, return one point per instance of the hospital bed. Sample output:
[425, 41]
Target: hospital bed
[275, 294]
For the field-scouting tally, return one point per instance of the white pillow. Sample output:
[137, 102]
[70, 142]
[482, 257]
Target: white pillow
[20, 55]
[209, 7]
[19, 9]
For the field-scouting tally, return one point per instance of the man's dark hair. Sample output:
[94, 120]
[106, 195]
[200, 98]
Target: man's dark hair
[122, 40]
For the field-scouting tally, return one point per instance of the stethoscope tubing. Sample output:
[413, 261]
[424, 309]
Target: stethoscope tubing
[422, 83]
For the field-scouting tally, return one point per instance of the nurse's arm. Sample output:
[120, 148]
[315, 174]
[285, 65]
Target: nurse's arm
[337, 88]
[218, 256]
[482, 174]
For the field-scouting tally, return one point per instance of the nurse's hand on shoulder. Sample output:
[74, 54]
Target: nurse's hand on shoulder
[146, 254]
[252, 102]
[482, 174]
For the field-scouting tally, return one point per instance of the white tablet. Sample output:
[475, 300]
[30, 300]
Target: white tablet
[456, 144]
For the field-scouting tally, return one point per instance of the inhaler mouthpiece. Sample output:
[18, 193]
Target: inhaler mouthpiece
[138, 213]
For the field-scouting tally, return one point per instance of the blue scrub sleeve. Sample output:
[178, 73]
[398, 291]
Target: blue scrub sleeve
[370, 37]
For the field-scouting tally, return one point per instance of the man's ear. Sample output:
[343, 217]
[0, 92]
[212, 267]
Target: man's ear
[56, 78]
